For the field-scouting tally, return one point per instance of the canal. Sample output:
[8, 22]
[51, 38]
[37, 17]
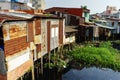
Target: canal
[91, 73]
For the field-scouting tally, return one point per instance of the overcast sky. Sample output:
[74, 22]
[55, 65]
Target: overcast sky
[95, 6]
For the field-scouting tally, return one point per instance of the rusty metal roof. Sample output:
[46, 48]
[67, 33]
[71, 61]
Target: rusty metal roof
[72, 11]
[23, 16]
[10, 17]
[47, 16]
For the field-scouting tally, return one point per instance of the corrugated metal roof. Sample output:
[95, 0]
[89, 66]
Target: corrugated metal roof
[103, 26]
[46, 16]
[16, 14]
[8, 17]
[72, 11]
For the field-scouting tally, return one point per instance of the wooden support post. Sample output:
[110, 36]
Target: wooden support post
[54, 64]
[62, 50]
[37, 71]
[54, 56]
[42, 65]
[58, 51]
[49, 58]
[21, 77]
[69, 46]
[49, 64]
[33, 77]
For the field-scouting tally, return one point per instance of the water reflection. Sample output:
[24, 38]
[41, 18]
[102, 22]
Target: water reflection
[91, 73]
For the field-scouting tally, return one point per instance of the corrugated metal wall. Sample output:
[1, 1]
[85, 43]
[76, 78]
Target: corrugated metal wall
[15, 45]
[61, 32]
[30, 35]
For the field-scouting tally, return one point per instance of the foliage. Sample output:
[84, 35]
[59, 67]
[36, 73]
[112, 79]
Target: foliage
[84, 7]
[55, 62]
[102, 56]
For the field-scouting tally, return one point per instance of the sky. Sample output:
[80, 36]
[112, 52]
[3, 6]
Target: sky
[95, 6]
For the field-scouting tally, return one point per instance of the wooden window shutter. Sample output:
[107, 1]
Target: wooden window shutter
[30, 36]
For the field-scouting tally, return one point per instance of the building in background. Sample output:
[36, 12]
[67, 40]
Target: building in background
[38, 4]
[15, 4]
[22, 4]
[72, 16]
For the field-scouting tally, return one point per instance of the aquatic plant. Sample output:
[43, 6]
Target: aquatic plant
[102, 56]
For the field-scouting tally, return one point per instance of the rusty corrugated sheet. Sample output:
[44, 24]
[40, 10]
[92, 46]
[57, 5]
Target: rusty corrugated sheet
[37, 27]
[9, 17]
[30, 35]
[15, 45]
[48, 36]
[13, 30]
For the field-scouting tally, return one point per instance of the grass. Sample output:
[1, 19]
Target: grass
[102, 56]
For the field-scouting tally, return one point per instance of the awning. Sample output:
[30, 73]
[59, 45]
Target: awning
[87, 25]
[70, 29]
[103, 26]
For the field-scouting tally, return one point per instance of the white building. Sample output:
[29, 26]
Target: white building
[15, 4]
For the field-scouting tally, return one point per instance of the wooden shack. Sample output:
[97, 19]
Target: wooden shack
[48, 34]
[70, 34]
[86, 32]
[15, 45]
[24, 40]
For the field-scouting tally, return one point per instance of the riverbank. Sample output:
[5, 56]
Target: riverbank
[102, 55]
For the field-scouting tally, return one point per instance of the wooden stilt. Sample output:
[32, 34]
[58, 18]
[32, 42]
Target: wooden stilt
[21, 77]
[49, 64]
[62, 50]
[42, 65]
[54, 56]
[49, 58]
[33, 77]
[37, 71]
